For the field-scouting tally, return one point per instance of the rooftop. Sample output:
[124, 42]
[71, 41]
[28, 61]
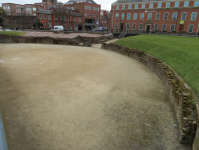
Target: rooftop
[142, 1]
[80, 1]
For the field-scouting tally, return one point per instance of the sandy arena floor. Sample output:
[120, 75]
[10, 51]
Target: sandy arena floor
[78, 98]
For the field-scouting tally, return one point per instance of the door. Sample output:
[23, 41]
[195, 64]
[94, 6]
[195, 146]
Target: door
[181, 27]
[147, 28]
[121, 26]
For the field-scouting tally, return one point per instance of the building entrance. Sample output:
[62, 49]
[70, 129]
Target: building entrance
[121, 26]
[148, 28]
[181, 27]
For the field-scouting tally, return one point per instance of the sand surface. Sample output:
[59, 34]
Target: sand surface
[78, 98]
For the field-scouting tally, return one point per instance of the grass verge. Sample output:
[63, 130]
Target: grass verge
[17, 33]
[180, 53]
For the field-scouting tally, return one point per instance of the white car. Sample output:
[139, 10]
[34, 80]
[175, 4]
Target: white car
[58, 28]
[0, 28]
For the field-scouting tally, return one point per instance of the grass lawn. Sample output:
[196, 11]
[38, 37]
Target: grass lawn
[17, 33]
[180, 53]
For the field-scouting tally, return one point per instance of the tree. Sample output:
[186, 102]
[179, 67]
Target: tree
[62, 12]
[2, 11]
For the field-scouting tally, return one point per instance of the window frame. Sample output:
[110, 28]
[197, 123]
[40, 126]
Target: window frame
[141, 15]
[143, 6]
[185, 16]
[127, 25]
[148, 16]
[195, 4]
[139, 26]
[195, 16]
[117, 16]
[185, 3]
[177, 3]
[128, 16]
[169, 4]
[150, 5]
[156, 16]
[160, 5]
[135, 26]
[117, 6]
[192, 29]
[130, 6]
[167, 16]
[134, 16]
[173, 28]
[165, 27]
[176, 15]
[123, 6]
[136, 5]
[117, 25]
[122, 16]
[157, 27]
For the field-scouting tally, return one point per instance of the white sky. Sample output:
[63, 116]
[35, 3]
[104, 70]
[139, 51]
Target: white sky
[105, 4]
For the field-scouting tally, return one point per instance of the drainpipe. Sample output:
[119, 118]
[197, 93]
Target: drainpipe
[3, 144]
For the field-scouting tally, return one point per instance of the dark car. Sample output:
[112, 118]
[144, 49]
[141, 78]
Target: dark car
[67, 29]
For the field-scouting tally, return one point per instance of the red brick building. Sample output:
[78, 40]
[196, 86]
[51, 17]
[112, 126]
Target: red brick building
[89, 10]
[160, 15]
[105, 19]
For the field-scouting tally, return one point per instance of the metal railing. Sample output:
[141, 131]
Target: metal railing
[3, 144]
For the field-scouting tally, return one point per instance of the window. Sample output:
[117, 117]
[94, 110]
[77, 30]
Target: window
[56, 23]
[156, 27]
[97, 18]
[117, 7]
[193, 15]
[68, 18]
[127, 26]
[49, 17]
[149, 16]
[40, 16]
[184, 14]
[79, 19]
[116, 25]
[89, 15]
[74, 18]
[135, 16]
[105, 21]
[88, 7]
[93, 15]
[116, 16]
[159, 5]
[143, 5]
[142, 16]
[85, 14]
[151, 5]
[128, 16]
[45, 17]
[140, 26]
[28, 8]
[34, 9]
[49, 24]
[60, 18]
[123, 6]
[196, 3]
[176, 4]
[157, 16]
[166, 16]
[18, 8]
[172, 27]
[64, 18]
[174, 16]
[102, 21]
[129, 6]
[136, 6]
[122, 16]
[96, 8]
[168, 4]
[190, 28]
[134, 26]
[28, 14]
[164, 27]
[186, 3]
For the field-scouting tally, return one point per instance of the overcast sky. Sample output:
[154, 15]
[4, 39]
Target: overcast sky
[105, 4]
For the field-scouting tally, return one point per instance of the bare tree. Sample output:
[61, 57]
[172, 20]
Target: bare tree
[62, 12]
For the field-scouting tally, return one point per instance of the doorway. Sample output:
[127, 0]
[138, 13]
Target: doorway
[148, 28]
[79, 27]
[121, 26]
[181, 27]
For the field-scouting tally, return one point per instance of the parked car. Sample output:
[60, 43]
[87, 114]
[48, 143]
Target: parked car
[67, 29]
[58, 28]
[0, 28]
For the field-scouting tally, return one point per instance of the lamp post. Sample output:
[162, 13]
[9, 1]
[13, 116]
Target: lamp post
[113, 15]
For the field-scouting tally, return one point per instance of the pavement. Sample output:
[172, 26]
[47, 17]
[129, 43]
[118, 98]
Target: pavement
[61, 35]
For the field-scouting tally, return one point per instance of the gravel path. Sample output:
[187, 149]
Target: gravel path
[79, 98]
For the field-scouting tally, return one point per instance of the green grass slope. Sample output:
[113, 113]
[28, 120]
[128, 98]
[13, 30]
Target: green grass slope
[17, 33]
[180, 53]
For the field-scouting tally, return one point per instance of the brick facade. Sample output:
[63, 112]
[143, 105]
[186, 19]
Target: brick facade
[105, 19]
[171, 16]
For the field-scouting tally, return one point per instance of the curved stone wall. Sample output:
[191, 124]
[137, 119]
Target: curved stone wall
[180, 94]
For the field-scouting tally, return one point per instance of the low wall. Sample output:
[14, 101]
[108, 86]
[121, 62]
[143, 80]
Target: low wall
[77, 41]
[180, 94]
